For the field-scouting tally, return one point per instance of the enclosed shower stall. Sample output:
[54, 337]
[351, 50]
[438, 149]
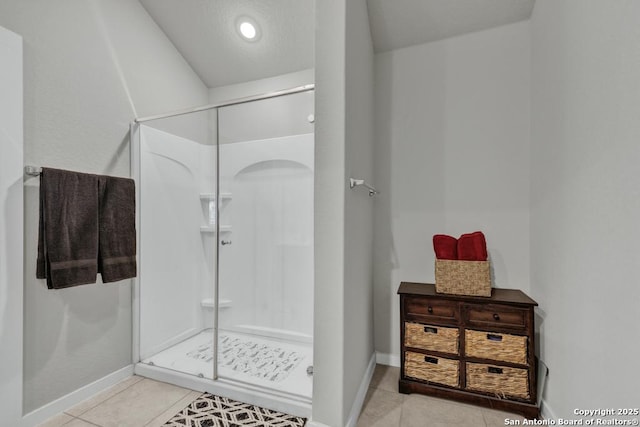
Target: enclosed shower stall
[224, 295]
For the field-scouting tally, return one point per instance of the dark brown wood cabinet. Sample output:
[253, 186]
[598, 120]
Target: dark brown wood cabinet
[478, 350]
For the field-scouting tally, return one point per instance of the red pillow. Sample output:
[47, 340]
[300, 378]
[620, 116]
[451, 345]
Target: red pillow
[472, 247]
[446, 247]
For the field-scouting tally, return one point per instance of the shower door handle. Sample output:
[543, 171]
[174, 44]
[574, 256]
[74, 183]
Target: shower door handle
[225, 242]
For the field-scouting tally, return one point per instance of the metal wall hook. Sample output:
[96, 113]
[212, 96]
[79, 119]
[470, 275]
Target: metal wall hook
[357, 182]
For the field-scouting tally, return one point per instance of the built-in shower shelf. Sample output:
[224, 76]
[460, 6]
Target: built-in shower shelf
[212, 229]
[212, 196]
[210, 303]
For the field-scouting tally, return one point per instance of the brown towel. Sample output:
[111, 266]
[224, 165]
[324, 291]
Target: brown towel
[68, 229]
[87, 225]
[117, 256]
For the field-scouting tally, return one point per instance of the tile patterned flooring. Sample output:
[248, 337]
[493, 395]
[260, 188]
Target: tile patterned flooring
[134, 402]
[385, 407]
[141, 402]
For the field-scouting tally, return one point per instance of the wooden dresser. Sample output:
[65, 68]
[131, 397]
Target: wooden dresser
[478, 350]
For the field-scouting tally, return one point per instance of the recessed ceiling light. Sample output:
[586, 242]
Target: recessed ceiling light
[248, 30]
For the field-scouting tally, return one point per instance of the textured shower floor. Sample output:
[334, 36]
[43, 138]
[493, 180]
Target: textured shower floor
[262, 361]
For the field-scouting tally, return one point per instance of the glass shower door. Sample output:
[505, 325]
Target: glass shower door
[178, 244]
[265, 245]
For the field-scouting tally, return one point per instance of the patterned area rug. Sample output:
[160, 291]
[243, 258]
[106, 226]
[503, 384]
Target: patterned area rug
[214, 411]
[259, 360]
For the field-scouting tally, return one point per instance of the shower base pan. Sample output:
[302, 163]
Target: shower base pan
[254, 369]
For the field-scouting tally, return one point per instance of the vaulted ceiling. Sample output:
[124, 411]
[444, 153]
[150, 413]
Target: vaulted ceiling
[399, 23]
[206, 31]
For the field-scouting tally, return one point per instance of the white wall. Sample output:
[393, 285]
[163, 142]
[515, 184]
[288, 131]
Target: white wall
[452, 156]
[11, 227]
[585, 200]
[256, 87]
[271, 118]
[343, 330]
[359, 207]
[330, 186]
[90, 68]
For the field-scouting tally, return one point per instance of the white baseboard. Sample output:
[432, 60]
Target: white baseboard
[546, 412]
[388, 359]
[358, 402]
[356, 408]
[65, 402]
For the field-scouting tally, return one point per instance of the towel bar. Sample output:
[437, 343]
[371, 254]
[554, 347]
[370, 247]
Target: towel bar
[32, 170]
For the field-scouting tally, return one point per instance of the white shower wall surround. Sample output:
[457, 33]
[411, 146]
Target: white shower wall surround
[173, 265]
[265, 269]
[267, 272]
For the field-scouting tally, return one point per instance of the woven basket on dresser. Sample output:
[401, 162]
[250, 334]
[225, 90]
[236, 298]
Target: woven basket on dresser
[496, 346]
[431, 368]
[429, 337]
[500, 381]
[471, 278]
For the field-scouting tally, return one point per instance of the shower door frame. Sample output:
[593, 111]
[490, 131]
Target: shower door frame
[229, 388]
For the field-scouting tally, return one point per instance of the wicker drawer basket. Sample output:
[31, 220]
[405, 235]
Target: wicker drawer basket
[500, 381]
[430, 368]
[434, 338]
[496, 346]
[471, 278]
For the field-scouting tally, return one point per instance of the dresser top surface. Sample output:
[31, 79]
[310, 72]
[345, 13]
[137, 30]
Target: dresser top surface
[511, 296]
